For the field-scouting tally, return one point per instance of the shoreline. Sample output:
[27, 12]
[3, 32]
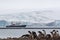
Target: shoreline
[29, 28]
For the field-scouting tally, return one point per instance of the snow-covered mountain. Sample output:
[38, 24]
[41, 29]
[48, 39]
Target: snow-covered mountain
[33, 16]
[28, 18]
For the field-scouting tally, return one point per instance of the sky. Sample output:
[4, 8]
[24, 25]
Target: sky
[12, 6]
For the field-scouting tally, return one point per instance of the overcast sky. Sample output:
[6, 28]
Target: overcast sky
[11, 5]
[29, 4]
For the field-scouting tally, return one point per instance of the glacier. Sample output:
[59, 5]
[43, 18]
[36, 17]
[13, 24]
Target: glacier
[29, 18]
[33, 16]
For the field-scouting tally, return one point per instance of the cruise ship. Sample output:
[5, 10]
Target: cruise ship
[15, 25]
[4, 24]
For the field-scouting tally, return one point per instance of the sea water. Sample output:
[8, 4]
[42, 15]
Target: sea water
[4, 33]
